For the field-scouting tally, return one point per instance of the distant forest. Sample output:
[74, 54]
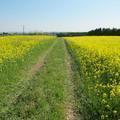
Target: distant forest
[105, 31]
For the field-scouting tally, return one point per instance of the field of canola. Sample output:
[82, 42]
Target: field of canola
[13, 47]
[98, 63]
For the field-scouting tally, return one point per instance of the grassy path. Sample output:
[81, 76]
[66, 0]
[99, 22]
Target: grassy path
[49, 94]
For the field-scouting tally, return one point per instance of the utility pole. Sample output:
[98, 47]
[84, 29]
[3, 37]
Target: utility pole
[23, 29]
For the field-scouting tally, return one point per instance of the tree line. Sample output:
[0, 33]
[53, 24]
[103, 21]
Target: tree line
[68, 34]
[26, 33]
[96, 32]
[105, 32]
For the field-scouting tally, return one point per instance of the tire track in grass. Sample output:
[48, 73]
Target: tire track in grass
[41, 61]
[71, 102]
[69, 107]
[75, 76]
[25, 81]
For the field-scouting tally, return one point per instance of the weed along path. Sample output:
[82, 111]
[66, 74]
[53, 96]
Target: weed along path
[46, 91]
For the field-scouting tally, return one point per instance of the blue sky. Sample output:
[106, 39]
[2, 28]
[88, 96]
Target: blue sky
[58, 15]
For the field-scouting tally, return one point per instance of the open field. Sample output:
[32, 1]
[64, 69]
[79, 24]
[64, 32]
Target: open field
[51, 78]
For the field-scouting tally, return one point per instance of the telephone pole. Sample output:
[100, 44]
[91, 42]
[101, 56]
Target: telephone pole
[23, 29]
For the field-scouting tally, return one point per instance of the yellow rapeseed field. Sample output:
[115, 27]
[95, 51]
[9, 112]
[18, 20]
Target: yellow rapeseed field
[14, 47]
[98, 61]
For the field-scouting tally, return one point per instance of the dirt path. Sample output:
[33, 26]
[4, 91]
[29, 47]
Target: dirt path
[40, 63]
[70, 103]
